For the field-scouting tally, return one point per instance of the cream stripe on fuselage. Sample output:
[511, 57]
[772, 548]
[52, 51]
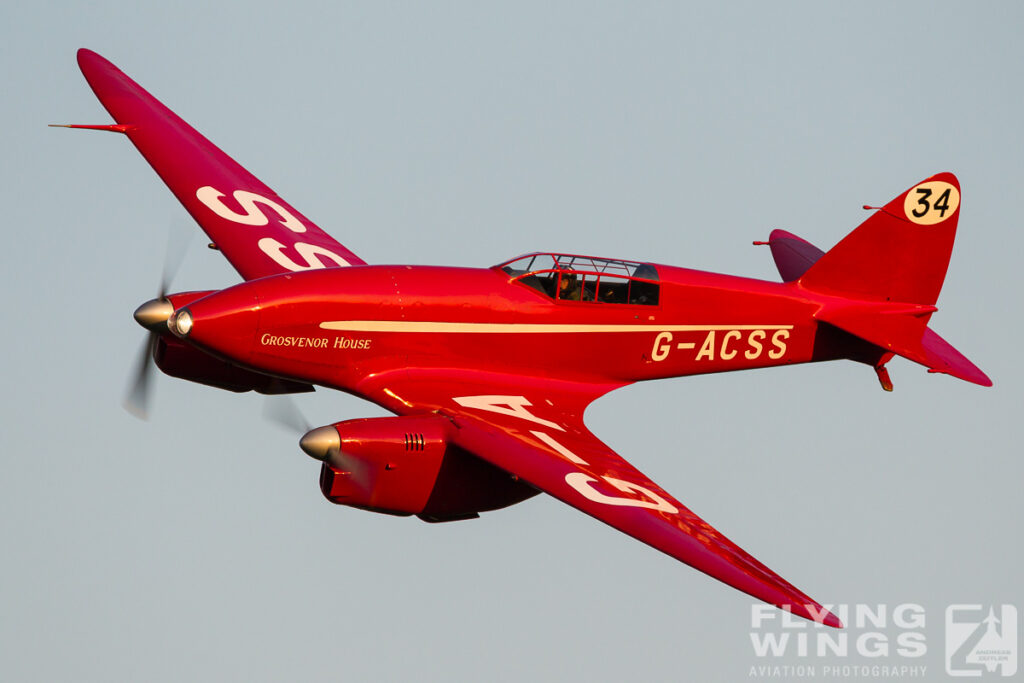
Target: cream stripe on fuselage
[522, 328]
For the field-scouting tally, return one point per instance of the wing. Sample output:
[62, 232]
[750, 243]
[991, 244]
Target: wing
[257, 231]
[533, 428]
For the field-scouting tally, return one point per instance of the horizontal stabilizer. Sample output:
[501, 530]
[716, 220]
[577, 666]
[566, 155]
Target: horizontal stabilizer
[793, 255]
[940, 356]
[904, 332]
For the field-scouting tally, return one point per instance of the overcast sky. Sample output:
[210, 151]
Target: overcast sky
[197, 545]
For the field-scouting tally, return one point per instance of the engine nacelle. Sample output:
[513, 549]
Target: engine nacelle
[406, 466]
[177, 359]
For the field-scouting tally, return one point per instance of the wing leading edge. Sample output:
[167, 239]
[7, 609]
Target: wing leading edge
[533, 428]
[258, 232]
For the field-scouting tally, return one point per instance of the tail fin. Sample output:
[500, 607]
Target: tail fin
[900, 253]
[886, 275]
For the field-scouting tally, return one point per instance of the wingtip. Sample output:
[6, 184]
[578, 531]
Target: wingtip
[92, 63]
[981, 379]
[833, 621]
[85, 55]
[812, 611]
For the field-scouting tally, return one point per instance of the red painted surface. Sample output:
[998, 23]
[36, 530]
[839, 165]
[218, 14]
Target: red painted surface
[491, 369]
[409, 466]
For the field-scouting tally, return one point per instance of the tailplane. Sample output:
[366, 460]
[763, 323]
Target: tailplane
[793, 255]
[902, 331]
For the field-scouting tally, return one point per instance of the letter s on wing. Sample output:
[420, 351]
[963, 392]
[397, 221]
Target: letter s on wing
[309, 252]
[210, 196]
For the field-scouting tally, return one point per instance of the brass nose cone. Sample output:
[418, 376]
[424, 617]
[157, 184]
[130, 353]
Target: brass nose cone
[153, 313]
[321, 442]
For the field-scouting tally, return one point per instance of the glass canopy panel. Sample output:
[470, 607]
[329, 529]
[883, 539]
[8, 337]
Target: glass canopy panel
[570, 277]
[532, 263]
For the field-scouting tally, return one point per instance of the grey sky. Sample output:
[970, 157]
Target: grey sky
[197, 546]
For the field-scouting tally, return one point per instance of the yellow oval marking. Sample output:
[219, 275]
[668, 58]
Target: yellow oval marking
[931, 202]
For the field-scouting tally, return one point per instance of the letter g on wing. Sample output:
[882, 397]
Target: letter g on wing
[582, 482]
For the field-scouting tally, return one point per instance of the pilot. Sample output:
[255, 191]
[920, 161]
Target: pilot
[569, 287]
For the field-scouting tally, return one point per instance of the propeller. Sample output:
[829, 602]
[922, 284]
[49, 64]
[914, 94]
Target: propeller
[136, 401]
[285, 413]
[153, 316]
[321, 443]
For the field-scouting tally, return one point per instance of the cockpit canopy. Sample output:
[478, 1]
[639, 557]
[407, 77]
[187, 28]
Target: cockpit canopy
[568, 277]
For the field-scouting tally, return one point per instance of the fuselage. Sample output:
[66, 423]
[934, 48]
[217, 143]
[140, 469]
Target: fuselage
[336, 327]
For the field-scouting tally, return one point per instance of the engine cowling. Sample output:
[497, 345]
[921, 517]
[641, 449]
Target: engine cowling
[177, 359]
[407, 466]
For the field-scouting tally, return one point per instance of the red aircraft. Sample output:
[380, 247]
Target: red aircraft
[489, 370]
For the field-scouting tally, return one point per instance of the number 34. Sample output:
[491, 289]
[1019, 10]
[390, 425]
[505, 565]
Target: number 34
[931, 202]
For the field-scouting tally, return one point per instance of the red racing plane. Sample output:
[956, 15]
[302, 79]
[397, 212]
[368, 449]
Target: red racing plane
[489, 371]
